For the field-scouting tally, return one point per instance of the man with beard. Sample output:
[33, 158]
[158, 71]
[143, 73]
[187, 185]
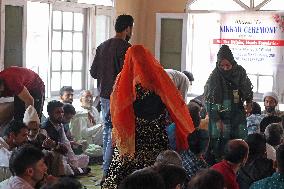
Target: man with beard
[106, 66]
[66, 94]
[270, 102]
[55, 130]
[28, 168]
[14, 135]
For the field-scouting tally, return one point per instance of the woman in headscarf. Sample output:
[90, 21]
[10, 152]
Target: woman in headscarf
[225, 91]
[143, 101]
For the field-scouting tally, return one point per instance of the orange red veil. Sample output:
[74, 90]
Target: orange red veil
[140, 66]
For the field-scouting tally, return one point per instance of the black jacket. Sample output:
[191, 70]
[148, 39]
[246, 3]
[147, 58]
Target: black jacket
[108, 63]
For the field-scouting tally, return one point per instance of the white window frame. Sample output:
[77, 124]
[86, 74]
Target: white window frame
[91, 12]
[185, 48]
[20, 3]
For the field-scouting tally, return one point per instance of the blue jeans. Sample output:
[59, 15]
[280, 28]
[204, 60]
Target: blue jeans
[107, 143]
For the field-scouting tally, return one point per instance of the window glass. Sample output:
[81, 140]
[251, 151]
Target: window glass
[78, 21]
[77, 61]
[56, 40]
[77, 80]
[67, 41]
[98, 2]
[222, 5]
[57, 21]
[102, 32]
[78, 41]
[67, 20]
[66, 79]
[55, 85]
[273, 5]
[66, 61]
[56, 61]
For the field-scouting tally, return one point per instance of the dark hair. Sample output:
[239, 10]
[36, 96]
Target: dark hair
[235, 152]
[280, 158]
[172, 175]
[52, 105]
[24, 157]
[168, 157]
[14, 127]
[69, 109]
[256, 109]
[188, 75]
[142, 179]
[122, 22]
[207, 178]
[198, 140]
[274, 134]
[65, 88]
[64, 183]
[257, 144]
[194, 111]
[268, 120]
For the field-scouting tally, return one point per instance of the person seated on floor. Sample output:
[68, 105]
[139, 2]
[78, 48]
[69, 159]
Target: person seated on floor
[15, 135]
[168, 157]
[69, 113]
[270, 100]
[254, 118]
[66, 94]
[257, 166]
[194, 111]
[64, 183]
[276, 181]
[143, 178]
[37, 137]
[235, 155]
[192, 159]
[54, 128]
[207, 178]
[28, 168]
[274, 137]
[175, 177]
[87, 125]
[268, 120]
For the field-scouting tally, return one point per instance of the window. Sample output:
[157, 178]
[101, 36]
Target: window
[67, 49]
[61, 45]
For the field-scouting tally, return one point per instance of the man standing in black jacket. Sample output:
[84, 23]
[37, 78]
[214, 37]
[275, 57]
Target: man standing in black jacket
[107, 64]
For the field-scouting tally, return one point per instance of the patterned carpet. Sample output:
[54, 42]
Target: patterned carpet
[92, 180]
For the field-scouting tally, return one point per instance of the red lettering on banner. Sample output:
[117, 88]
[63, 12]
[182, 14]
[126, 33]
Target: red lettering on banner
[249, 42]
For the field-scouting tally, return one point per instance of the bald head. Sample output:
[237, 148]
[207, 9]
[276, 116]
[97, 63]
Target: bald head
[236, 151]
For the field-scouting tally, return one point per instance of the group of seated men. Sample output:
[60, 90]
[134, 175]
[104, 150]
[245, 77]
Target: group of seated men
[67, 138]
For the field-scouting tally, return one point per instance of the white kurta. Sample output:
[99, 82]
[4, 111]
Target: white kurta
[82, 129]
[5, 155]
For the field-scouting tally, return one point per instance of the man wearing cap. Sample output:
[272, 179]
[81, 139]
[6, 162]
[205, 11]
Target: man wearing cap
[270, 100]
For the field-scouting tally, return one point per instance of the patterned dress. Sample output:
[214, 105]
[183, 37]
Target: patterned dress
[151, 137]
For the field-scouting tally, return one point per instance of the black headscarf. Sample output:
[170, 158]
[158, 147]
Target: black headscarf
[222, 82]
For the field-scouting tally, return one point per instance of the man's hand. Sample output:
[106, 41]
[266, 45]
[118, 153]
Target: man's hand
[25, 96]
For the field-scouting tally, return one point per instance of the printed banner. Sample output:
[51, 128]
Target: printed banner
[253, 37]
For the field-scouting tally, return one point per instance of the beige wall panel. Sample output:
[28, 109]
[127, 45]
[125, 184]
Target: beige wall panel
[144, 13]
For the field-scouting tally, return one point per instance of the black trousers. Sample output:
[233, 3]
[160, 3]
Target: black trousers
[19, 105]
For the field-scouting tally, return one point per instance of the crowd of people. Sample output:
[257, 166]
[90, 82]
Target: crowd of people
[147, 134]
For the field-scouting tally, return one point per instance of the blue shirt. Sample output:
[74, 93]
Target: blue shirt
[276, 181]
[191, 163]
[253, 123]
